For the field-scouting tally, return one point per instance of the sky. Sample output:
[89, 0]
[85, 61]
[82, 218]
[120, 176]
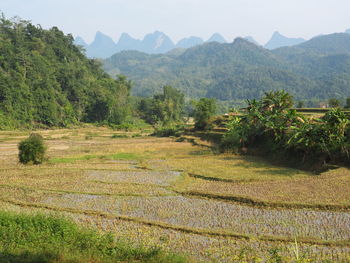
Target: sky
[183, 18]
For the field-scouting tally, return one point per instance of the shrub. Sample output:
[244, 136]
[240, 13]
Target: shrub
[204, 109]
[270, 127]
[169, 130]
[32, 149]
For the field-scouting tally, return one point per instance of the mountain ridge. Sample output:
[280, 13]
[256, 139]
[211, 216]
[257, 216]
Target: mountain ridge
[241, 69]
[277, 40]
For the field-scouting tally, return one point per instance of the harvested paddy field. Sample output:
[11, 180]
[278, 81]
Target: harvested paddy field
[181, 197]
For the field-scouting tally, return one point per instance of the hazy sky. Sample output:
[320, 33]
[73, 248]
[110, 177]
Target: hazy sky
[183, 18]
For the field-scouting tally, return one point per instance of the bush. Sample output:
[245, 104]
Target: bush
[269, 127]
[32, 149]
[204, 109]
[169, 130]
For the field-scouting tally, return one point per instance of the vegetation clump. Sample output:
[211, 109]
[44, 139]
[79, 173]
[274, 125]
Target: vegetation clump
[32, 149]
[204, 109]
[166, 108]
[271, 127]
[47, 81]
[40, 238]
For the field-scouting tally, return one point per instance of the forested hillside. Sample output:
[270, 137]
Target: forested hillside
[45, 80]
[314, 70]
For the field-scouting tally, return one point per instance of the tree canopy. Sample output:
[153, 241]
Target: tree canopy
[45, 80]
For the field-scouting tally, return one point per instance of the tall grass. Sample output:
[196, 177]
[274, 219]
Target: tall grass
[41, 238]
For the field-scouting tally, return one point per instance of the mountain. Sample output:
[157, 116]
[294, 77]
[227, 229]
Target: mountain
[277, 40]
[103, 46]
[316, 69]
[217, 38]
[157, 42]
[251, 40]
[347, 31]
[126, 42]
[237, 70]
[320, 46]
[189, 42]
[79, 41]
[337, 43]
[323, 59]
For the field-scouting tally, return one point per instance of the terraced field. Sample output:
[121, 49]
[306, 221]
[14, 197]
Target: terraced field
[182, 197]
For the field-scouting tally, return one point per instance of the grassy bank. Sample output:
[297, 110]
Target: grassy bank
[40, 238]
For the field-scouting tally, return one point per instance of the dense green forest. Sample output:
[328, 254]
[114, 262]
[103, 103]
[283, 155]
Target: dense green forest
[312, 71]
[45, 80]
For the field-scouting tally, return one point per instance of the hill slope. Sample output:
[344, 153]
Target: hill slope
[277, 40]
[316, 69]
[46, 80]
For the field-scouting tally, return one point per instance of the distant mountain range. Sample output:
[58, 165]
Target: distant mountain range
[103, 46]
[277, 40]
[315, 69]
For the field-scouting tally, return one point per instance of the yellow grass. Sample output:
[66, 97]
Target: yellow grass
[138, 189]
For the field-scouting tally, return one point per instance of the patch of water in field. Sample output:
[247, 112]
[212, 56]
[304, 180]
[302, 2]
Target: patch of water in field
[162, 178]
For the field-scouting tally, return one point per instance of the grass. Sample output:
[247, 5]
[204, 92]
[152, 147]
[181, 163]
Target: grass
[41, 238]
[117, 156]
[227, 167]
[180, 196]
[330, 190]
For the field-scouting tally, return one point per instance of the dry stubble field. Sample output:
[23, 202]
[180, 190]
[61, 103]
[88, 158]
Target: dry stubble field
[181, 197]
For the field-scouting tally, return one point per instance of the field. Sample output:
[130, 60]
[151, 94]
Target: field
[181, 196]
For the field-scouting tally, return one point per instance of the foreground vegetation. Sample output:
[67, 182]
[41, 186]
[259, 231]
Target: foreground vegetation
[271, 128]
[156, 192]
[41, 238]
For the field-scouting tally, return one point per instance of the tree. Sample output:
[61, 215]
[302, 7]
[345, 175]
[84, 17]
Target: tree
[334, 103]
[347, 103]
[300, 104]
[32, 149]
[205, 108]
[165, 108]
[46, 80]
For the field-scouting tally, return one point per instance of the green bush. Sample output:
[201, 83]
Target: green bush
[204, 109]
[270, 127]
[32, 149]
[168, 130]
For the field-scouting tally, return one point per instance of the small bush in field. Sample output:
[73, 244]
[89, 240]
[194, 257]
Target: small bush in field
[32, 149]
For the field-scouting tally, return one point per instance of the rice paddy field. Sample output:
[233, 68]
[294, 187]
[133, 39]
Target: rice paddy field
[181, 197]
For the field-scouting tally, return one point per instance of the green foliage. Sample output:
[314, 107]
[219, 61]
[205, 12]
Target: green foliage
[166, 108]
[272, 127]
[204, 109]
[347, 103]
[45, 80]
[168, 130]
[326, 137]
[40, 238]
[300, 104]
[32, 149]
[314, 71]
[267, 119]
[334, 103]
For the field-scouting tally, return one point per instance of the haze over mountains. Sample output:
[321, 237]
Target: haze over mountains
[315, 69]
[277, 40]
[103, 45]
